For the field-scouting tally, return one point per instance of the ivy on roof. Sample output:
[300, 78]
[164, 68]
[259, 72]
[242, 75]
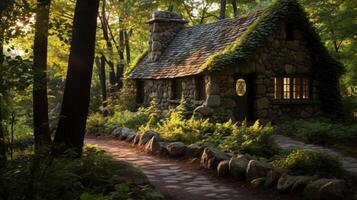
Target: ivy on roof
[326, 70]
[136, 62]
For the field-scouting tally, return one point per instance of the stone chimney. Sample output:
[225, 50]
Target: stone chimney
[163, 27]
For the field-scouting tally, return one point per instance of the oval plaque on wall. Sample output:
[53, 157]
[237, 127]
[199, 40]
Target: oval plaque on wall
[241, 87]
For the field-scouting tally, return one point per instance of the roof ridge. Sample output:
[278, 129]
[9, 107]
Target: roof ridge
[257, 12]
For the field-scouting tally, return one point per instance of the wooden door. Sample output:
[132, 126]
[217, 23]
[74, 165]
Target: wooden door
[244, 86]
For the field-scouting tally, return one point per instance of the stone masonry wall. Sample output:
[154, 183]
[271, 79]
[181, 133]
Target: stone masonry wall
[277, 57]
[160, 90]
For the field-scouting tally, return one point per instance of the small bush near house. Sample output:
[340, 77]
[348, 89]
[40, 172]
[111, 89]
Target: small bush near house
[304, 162]
[175, 125]
[99, 124]
[255, 140]
[318, 131]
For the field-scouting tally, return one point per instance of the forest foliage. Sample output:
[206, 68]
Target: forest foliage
[121, 38]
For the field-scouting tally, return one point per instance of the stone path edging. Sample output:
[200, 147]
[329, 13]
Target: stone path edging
[177, 179]
[348, 163]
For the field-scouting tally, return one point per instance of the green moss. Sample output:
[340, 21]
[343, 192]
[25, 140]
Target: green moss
[326, 70]
[135, 63]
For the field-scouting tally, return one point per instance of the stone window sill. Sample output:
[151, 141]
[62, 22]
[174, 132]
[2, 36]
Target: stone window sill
[294, 102]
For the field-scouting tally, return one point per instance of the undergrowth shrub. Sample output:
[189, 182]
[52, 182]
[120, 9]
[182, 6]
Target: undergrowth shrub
[99, 124]
[47, 178]
[178, 125]
[255, 140]
[321, 132]
[307, 162]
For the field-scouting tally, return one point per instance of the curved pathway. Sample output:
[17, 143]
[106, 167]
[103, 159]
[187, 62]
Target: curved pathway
[348, 163]
[181, 180]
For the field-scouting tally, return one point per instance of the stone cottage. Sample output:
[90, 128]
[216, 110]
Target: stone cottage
[267, 65]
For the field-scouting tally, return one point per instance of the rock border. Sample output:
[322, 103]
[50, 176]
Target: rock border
[256, 172]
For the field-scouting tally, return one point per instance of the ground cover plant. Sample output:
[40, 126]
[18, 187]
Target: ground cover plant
[93, 176]
[340, 136]
[306, 162]
[177, 125]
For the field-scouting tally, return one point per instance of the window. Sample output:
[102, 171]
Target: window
[200, 88]
[286, 88]
[139, 91]
[289, 30]
[291, 88]
[176, 89]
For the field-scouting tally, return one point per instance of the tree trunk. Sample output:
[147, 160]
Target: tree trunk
[120, 66]
[2, 131]
[127, 47]
[223, 9]
[40, 101]
[170, 7]
[100, 62]
[235, 8]
[104, 22]
[2, 140]
[72, 123]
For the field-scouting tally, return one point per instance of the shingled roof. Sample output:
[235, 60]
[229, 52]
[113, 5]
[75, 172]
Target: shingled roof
[191, 48]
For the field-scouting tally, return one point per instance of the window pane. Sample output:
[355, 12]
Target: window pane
[306, 88]
[296, 87]
[286, 88]
[278, 90]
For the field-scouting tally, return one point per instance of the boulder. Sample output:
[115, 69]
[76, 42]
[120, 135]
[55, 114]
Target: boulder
[271, 178]
[130, 137]
[203, 110]
[117, 132]
[213, 101]
[176, 149]
[333, 190]
[136, 139]
[153, 146]
[256, 169]
[223, 168]
[312, 190]
[238, 167]
[125, 132]
[301, 182]
[285, 183]
[258, 182]
[193, 151]
[144, 138]
[211, 157]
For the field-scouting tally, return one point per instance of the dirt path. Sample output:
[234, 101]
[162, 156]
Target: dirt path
[181, 180]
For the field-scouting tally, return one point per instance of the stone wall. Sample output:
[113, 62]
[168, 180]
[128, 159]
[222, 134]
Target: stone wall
[161, 91]
[277, 57]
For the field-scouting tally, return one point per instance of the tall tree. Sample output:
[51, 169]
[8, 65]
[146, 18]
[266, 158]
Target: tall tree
[105, 29]
[120, 66]
[222, 14]
[127, 47]
[40, 101]
[72, 123]
[100, 62]
[235, 7]
[2, 131]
